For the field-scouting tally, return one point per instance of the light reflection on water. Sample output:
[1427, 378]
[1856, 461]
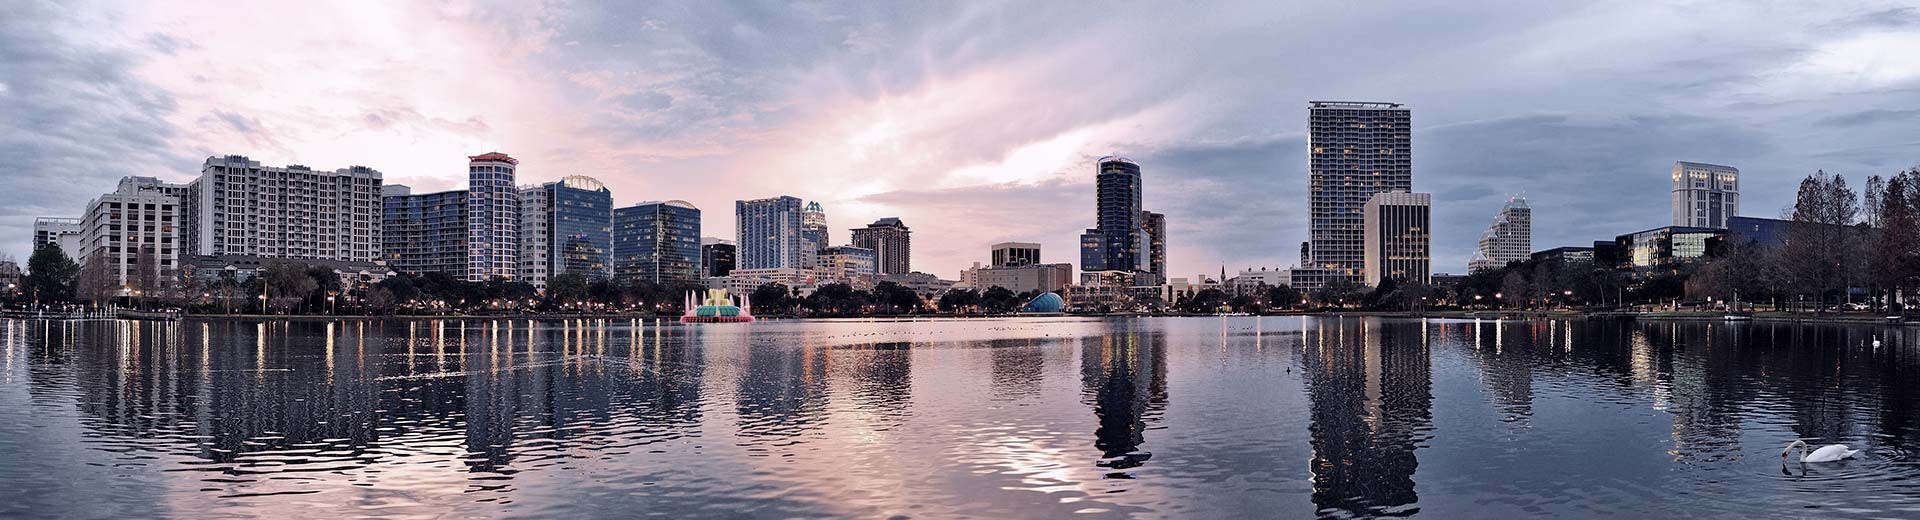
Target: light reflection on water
[1181, 417]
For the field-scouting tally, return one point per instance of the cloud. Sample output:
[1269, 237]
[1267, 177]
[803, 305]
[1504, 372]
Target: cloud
[73, 119]
[979, 121]
[1872, 116]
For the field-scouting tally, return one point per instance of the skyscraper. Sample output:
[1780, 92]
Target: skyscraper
[1354, 150]
[1155, 227]
[716, 256]
[1508, 239]
[424, 233]
[657, 242]
[891, 242]
[1015, 254]
[239, 207]
[1705, 195]
[1117, 242]
[493, 217]
[1398, 237]
[566, 227]
[813, 225]
[768, 234]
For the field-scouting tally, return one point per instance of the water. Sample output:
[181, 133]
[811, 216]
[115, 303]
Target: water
[1177, 417]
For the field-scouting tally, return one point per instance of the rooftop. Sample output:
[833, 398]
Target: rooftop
[1361, 105]
[493, 156]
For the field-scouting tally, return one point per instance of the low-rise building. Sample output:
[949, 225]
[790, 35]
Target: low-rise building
[1026, 277]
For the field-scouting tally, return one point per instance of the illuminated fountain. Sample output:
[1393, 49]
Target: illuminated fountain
[718, 307]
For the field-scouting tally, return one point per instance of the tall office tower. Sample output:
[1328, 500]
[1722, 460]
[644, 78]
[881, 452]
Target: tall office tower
[1015, 254]
[566, 227]
[493, 218]
[890, 241]
[61, 231]
[238, 207]
[813, 225]
[1354, 150]
[536, 214]
[1155, 227]
[1116, 242]
[1508, 239]
[716, 256]
[1705, 195]
[1398, 237]
[129, 239]
[657, 242]
[768, 234]
[424, 233]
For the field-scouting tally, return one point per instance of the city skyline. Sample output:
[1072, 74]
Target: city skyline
[850, 112]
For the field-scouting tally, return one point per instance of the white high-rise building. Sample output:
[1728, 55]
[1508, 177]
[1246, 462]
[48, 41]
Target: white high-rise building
[238, 207]
[60, 231]
[1705, 195]
[130, 239]
[493, 218]
[1508, 239]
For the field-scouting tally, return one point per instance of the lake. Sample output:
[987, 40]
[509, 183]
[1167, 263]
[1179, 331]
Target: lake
[1273, 417]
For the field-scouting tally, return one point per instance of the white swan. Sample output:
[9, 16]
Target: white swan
[1828, 453]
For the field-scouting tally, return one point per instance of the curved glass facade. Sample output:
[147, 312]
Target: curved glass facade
[1045, 302]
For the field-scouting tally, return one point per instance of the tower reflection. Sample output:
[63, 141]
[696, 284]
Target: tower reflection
[1123, 375]
[1369, 385]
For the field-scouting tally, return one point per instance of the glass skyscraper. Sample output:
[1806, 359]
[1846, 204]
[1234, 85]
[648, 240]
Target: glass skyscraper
[657, 242]
[1354, 150]
[493, 218]
[1118, 241]
[424, 233]
[566, 227]
[769, 234]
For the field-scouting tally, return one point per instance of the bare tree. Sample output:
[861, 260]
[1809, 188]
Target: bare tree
[1895, 252]
[1821, 246]
[1513, 290]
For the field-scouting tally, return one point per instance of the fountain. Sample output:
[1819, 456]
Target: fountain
[718, 307]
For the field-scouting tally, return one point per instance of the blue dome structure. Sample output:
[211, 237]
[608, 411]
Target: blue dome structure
[1045, 303]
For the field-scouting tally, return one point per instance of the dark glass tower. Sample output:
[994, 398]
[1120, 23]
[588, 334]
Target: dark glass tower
[657, 242]
[578, 226]
[1116, 242]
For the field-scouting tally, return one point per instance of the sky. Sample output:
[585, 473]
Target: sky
[974, 122]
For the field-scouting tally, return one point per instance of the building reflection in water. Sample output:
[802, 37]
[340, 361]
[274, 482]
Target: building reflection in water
[340, 395]
[782, 391]
[1370, 391]
[1123, 374]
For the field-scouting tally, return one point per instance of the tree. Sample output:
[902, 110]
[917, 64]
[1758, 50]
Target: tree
[1340, 293]
[97, 282]
[1821, 246]
[1000, 300]
[1513, 289]
[960, 300]
[1207, 300]
[1282, 296]
[51, 275]
[566, 288]
[769, 298]
[287, 284]
[381, 300]
[896, 297]
[1895, 255]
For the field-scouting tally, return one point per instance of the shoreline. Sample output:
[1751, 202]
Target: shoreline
[1767, 317]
